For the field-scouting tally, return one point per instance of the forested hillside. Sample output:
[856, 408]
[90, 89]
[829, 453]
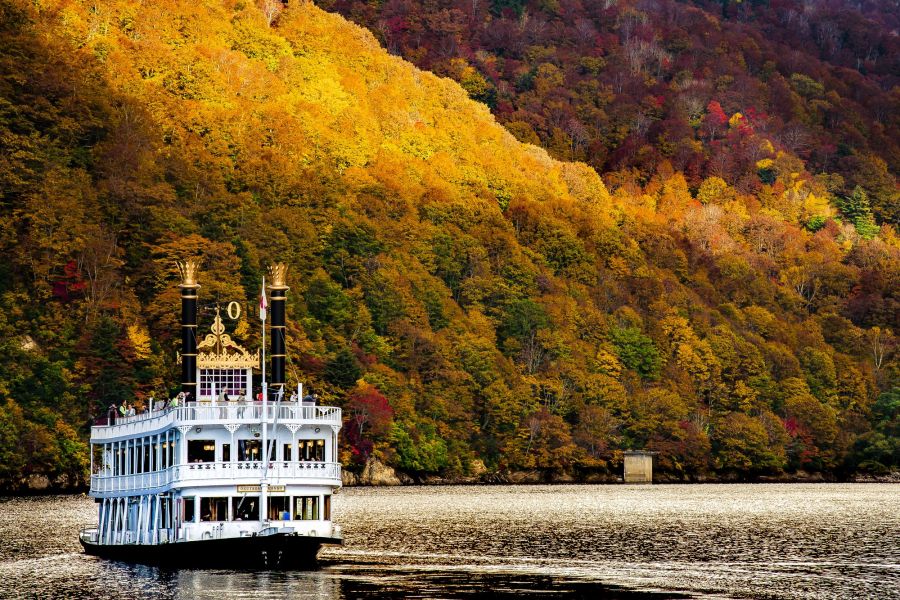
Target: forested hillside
[469, 301]
[709, 88]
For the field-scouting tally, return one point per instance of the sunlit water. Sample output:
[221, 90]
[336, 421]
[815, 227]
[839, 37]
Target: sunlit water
[707, 541]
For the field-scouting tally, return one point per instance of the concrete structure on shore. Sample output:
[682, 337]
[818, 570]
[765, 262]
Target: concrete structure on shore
[638, 466]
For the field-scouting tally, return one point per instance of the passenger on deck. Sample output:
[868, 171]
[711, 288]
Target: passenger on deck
[308, 399]
[293, 396]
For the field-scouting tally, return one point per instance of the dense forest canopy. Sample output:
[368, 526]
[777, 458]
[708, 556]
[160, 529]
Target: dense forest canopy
[627, 85]
[469, 301]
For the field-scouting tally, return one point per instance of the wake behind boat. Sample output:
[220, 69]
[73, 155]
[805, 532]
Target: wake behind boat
[217, 477]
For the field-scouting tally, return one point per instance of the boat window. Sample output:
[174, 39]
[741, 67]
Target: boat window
[245, 508]
[326, 509]
[287, 452]
[145, 462]
[99, 459]
[306, 508]
[249, 450]
[226, 452]
[165, 454]
[311, 450]
[201, 451]
[213, 509]
[189, 506]
[279, 508]
[213, 381]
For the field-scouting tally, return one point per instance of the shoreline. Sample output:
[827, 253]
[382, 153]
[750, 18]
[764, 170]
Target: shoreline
[388, 477]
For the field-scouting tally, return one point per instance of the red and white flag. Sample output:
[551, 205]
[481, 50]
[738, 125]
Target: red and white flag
[263, 303]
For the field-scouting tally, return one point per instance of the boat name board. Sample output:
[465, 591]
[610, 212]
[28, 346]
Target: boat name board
[244, 489]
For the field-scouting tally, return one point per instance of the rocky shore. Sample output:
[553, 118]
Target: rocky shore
[375, 473]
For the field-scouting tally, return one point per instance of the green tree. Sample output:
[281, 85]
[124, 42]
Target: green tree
[856, 209]
[343, 370]
[636, 351]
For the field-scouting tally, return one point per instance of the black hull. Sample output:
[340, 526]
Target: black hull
[280, 551]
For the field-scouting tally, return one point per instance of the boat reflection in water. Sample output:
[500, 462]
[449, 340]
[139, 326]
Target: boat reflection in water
[252, 584]
[359, 580]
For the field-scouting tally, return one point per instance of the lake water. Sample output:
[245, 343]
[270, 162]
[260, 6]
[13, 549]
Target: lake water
[570, 541]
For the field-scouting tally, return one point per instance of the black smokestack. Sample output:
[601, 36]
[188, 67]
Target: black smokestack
[189, 288]
[278, 295]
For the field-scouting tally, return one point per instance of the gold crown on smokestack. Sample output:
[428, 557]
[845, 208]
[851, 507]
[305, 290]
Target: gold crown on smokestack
[189, 269]
[277, 276]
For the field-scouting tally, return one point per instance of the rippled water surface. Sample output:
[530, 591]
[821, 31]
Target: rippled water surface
[706, 541]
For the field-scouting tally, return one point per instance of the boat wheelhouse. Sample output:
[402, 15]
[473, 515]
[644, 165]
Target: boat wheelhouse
[218, 477]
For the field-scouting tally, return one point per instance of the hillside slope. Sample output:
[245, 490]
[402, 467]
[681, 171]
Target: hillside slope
[628, 85]
[464, 297]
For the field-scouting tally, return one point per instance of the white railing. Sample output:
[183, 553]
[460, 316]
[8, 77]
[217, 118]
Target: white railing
[205, 413]
[139, 482]
[278, 472]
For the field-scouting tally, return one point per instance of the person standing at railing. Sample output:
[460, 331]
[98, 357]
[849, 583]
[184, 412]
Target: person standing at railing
[241, 398]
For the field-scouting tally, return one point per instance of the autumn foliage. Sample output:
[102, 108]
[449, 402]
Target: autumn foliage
[464, 297]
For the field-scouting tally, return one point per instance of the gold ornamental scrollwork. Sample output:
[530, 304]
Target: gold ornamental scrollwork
[189, 270]
[221, 352]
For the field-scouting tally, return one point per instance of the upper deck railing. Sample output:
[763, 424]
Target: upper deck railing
[212, 473]
[210, 413]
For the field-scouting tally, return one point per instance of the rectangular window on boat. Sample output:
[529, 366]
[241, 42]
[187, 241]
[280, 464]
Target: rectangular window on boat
[306, 508]
[226, 452]
[279, 508]
[214, 381]
[326, 509]
[213, 509]
[201, 451]
[245, 508]
[286, 455]
[311, 450]
[249, 450]
[188, 511]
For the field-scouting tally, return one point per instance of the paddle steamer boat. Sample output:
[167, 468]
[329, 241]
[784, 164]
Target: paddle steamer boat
[243, 482]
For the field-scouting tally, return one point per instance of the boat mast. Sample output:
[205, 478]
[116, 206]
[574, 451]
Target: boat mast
[264, 422]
